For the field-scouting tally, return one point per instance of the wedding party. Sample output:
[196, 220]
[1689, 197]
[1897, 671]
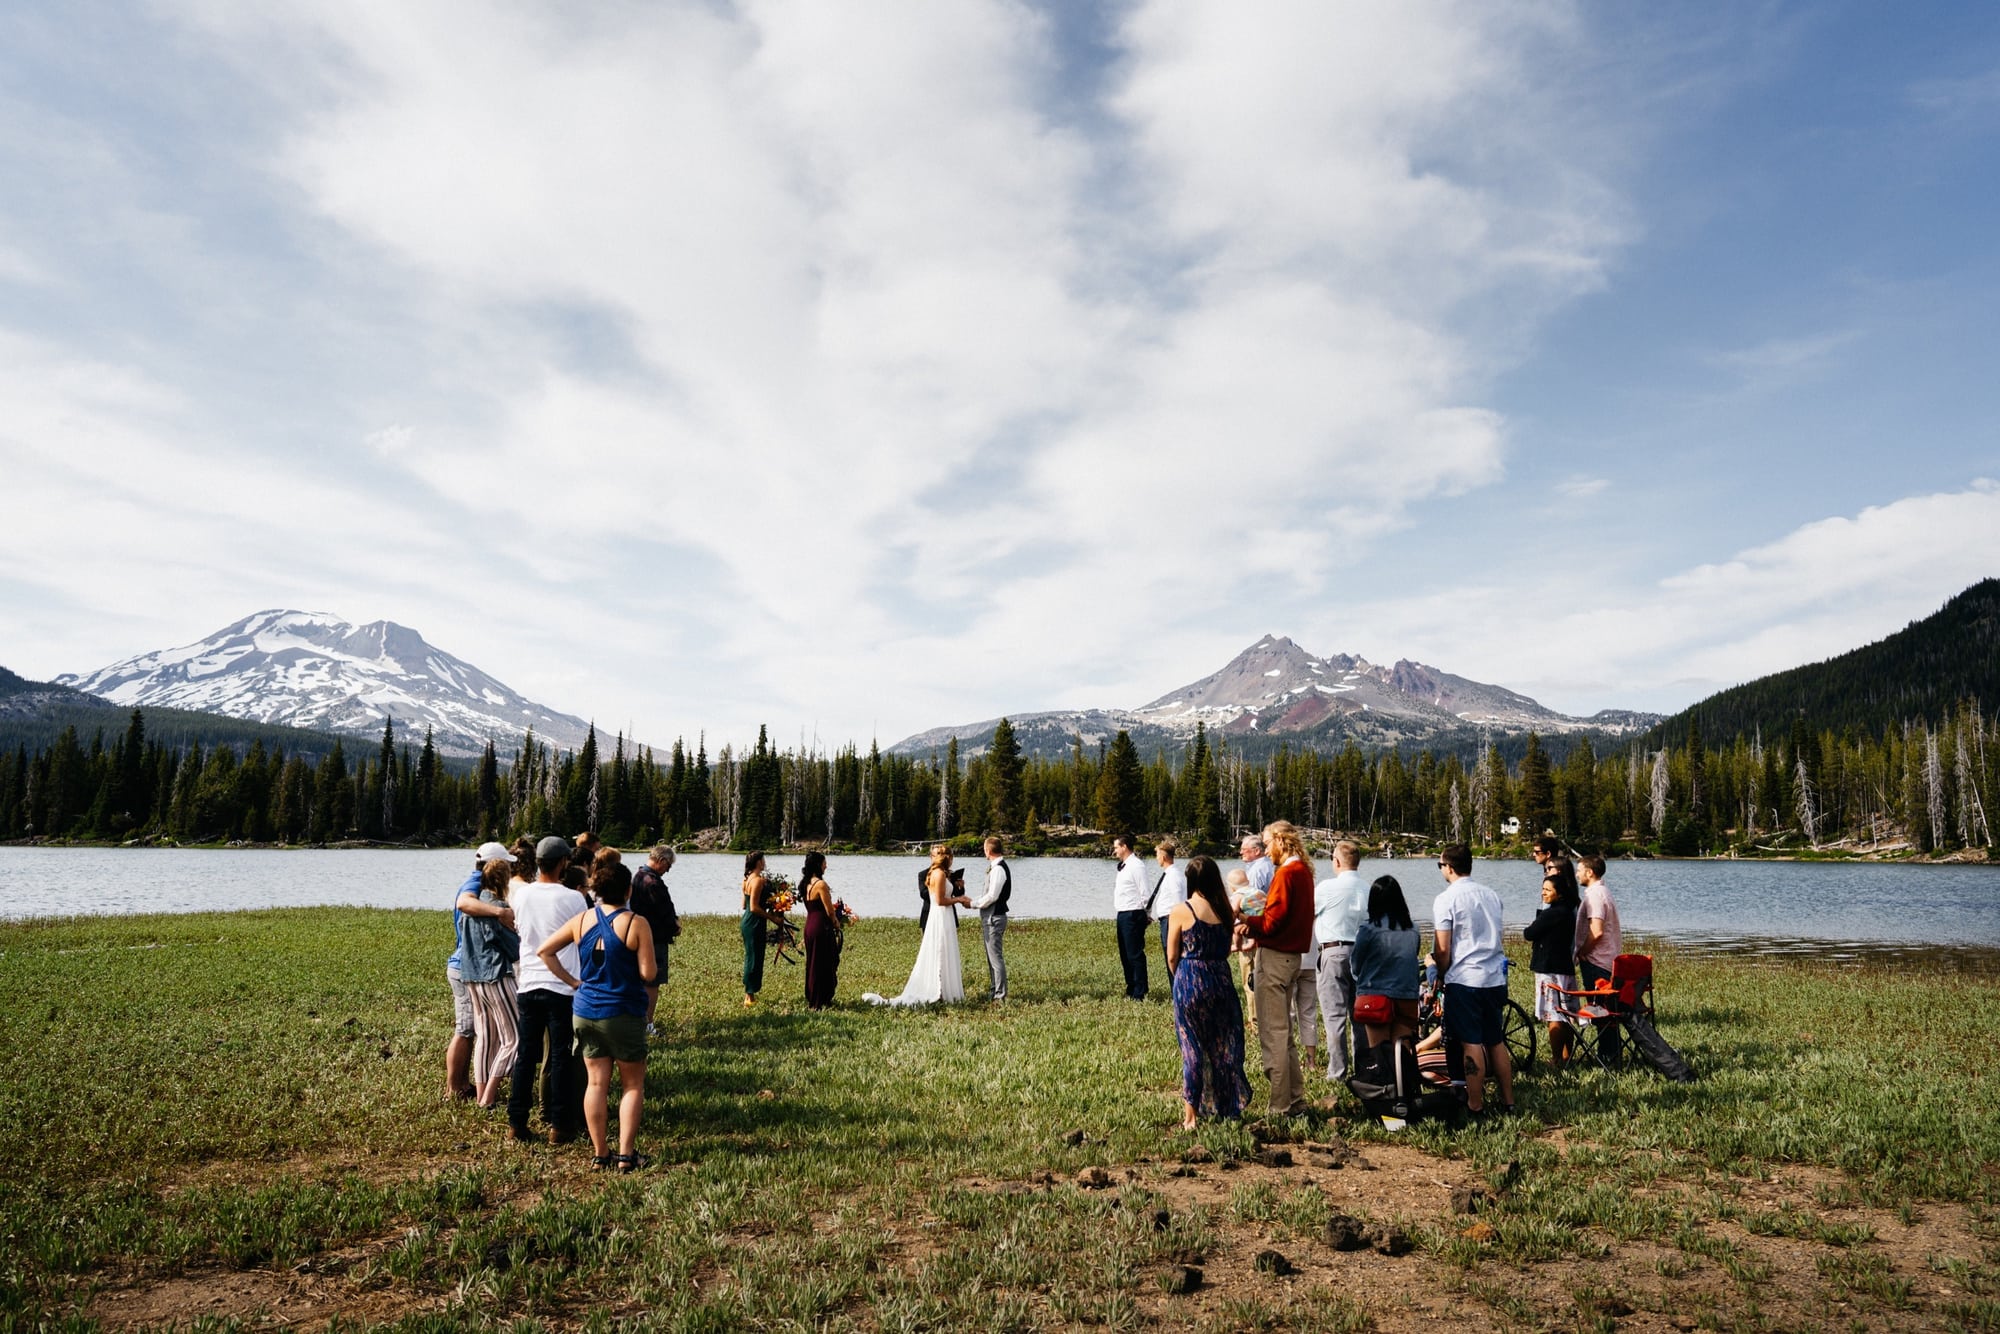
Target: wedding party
[562, 962]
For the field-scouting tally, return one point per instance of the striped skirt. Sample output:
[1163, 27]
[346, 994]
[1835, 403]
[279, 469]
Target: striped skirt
[496, 1028]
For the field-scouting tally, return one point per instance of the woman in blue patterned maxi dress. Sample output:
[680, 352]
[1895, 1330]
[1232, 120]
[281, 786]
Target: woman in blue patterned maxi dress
[1208, 1014]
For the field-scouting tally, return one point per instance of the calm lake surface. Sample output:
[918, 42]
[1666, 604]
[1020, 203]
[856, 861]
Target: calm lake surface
[1838, 910]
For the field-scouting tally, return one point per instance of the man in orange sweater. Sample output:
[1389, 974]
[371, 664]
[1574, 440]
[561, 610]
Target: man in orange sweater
[1283, 931]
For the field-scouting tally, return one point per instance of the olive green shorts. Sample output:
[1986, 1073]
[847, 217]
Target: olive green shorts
[622, 1037]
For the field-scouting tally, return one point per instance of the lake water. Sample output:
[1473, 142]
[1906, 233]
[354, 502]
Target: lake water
[1836, 909]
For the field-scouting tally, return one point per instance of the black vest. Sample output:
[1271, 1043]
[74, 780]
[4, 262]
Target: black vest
[999, 908]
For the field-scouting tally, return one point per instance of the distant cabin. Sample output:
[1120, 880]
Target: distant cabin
[1511, 825]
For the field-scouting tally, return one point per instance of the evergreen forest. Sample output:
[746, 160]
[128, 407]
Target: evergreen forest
[1925, 784]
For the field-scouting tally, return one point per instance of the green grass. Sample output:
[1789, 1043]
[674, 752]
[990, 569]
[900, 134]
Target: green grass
[261, 1092]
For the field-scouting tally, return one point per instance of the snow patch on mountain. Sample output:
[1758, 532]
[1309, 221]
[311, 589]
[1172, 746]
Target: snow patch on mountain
[311, 669]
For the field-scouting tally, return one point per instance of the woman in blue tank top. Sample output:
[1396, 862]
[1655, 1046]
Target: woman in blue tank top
[615, 957]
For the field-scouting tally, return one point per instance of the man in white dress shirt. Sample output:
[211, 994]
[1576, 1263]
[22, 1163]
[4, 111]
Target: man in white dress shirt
[1339, 905]
[1129, 892]
[992, 907]
[1169, 892]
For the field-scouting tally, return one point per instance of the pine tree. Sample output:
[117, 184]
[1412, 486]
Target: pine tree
[385, 767]
[1121, 788]
[1003, 778]
[488, 788]
[1538, 805]
[1697, 777]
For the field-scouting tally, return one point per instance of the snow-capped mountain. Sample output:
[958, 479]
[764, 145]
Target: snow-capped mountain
[1276, 688]
[308, 669]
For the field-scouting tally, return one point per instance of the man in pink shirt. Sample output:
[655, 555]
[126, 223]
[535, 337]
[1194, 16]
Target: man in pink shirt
[1598, 942]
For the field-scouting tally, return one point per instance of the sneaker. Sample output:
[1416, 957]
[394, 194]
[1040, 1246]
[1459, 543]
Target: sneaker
[652, 1030]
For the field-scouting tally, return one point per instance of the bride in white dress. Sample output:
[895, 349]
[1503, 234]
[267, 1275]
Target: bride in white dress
[938, 975]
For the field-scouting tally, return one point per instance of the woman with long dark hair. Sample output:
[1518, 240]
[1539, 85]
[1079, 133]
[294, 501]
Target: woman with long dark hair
[755, 925]
[822, 933]
[1208, 1014]
[1552, 938]
[1384, 960]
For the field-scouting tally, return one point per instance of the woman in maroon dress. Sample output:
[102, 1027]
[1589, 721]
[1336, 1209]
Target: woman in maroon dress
[822, 933]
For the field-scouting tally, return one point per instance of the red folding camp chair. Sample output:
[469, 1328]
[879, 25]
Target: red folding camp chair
[1596, 1011]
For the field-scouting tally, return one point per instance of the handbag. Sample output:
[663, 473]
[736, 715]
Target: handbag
[1375, 1010]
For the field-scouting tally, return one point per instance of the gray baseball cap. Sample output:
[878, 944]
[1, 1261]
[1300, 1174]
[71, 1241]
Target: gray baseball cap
[551, 848]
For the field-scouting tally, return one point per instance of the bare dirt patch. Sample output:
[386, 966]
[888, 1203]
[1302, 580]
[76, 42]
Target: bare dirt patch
[307, 1301]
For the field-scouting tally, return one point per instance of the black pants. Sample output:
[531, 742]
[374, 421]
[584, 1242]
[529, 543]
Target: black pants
[1610, 1037]
[1132, 950]
[544, 1013]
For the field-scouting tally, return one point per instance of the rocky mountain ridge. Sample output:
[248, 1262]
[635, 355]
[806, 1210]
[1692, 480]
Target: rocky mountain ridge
[1275, 688]
[314, 670]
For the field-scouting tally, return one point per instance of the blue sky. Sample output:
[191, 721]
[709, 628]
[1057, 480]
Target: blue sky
[862, 368]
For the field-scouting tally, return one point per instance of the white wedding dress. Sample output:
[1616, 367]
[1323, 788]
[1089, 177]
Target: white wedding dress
[938, 975]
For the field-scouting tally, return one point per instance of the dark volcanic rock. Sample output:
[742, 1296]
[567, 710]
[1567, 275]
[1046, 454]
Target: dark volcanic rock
[1392, 1240]
[1347, 1233]
[1274, 1264]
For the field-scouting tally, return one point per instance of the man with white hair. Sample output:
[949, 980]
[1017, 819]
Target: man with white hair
[1258, 870]
[652, 901]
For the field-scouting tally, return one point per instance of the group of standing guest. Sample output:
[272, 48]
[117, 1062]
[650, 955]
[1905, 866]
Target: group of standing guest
[1314, 951]
[560, 949]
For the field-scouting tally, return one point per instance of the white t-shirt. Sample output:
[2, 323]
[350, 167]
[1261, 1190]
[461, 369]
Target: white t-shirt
[539, 912]
[1173, 889]
[1128, 893]
[1472, 914]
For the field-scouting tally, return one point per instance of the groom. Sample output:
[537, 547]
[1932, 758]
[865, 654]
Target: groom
[992, 907]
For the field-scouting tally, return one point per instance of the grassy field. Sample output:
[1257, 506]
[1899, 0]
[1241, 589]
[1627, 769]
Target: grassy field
[235, 1121]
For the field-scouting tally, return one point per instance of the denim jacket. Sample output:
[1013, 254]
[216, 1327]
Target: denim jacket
[487, 949]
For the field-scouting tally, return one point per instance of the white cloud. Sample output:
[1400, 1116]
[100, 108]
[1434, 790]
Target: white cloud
[1783, 360]
[911, 367]
[1818, 591]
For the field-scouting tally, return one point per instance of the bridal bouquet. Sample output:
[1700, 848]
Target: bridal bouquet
[781, 898]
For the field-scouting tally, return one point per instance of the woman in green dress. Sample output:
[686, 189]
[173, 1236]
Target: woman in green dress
[756, 925]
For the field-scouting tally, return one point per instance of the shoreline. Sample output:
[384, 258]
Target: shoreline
[1885, 857]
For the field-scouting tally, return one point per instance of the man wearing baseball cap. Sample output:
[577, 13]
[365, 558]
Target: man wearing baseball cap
[467, 903]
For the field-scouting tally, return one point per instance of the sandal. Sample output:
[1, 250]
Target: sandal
[630, 1162]
[604, 1161]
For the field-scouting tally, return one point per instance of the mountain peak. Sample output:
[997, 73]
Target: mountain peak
[315, 670]
[1275, 688]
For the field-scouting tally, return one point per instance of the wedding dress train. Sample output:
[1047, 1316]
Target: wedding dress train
[938, 975]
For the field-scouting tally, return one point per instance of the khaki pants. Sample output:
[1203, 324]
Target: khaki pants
[1276, 1042]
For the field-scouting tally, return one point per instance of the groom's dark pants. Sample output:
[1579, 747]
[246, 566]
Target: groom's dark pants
[1132, 950]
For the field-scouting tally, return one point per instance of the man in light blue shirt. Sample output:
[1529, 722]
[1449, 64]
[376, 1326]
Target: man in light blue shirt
[1467, 918]
[1339, 906]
